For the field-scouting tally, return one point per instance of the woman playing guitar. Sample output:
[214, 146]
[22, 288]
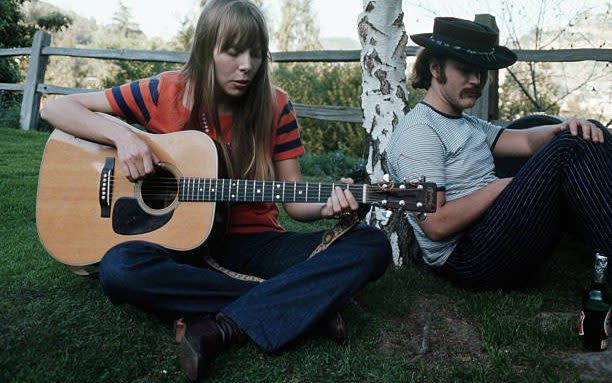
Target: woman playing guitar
[225, 91]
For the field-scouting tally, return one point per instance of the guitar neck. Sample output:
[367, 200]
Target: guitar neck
[232, 190]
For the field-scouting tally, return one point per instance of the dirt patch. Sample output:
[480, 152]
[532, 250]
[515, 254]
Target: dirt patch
[434, 331]
[593, 366]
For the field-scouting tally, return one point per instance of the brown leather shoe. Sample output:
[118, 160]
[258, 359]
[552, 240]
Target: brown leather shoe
[203, 339]
[333, 326]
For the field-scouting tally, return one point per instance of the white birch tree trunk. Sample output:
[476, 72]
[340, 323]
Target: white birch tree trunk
[384, 101]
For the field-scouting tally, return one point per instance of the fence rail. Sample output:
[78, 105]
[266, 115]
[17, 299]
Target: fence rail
[34, 87]
[553, 55]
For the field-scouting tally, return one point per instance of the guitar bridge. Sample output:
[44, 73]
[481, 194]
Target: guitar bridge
[105, 190]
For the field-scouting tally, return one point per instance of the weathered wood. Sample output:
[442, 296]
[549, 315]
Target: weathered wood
[329, 112]
[558, 55]
[53, 89]
[28, 119]
[120, 54]
[564, 55]
[10, 86]
[15, 52]
[486, 106]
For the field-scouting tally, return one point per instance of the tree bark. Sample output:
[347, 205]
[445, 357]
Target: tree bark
[384, 101]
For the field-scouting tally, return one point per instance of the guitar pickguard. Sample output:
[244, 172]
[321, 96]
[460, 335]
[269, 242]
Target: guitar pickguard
[130, 219]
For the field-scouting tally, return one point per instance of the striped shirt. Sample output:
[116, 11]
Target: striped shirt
[157, 104]
[455, 152]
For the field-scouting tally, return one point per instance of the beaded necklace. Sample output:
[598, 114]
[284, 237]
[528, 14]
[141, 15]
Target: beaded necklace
[205, 124]
[206, 129]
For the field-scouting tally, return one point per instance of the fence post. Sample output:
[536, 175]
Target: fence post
[28, 119]
[487, 106]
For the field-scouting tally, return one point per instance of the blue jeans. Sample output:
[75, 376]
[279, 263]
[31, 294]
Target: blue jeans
[297, 291]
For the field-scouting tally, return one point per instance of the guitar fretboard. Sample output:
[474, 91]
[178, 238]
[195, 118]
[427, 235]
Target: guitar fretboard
[231, 190]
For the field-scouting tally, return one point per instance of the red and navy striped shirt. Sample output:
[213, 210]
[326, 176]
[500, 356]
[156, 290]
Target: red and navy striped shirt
[157, 104]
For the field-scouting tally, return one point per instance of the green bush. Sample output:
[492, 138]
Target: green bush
[332, 165]
[9, 112]
[325, 84]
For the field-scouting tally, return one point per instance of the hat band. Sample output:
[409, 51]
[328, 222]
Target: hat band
[459, 48]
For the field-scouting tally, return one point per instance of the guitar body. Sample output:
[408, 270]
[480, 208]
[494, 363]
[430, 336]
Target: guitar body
[78, 222]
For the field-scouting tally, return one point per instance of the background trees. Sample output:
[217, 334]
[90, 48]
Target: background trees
[17, 27]
[565, 89]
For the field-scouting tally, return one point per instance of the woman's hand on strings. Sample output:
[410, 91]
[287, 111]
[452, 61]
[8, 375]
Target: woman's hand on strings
[341, 201]
[136, 158]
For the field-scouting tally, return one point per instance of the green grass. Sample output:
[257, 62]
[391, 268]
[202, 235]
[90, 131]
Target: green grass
[58, 327]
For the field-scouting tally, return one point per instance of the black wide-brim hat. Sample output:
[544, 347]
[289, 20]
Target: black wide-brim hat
[466, 41]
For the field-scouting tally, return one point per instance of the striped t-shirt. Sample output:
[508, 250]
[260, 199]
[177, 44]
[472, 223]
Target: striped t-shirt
[455, 152]
[157, 104]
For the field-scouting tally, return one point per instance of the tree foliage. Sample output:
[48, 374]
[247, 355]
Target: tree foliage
[298, 30]
[16, 31]
[515, 100]
[132, 37]
[545, 87]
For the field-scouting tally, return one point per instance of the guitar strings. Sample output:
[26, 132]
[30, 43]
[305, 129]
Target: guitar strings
[351, 187]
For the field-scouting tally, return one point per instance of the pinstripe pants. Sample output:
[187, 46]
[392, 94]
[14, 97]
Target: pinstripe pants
[567, 182]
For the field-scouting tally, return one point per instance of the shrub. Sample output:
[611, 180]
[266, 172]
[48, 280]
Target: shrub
[332, 166]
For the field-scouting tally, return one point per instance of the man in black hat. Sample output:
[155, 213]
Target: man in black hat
[489, 232]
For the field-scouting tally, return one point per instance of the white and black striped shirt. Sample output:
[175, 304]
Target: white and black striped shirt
[452, 151]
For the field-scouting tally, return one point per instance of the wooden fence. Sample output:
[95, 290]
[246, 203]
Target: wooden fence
[34, 87]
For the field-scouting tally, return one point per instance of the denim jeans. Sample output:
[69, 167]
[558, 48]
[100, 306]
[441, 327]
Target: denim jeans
[297, 291]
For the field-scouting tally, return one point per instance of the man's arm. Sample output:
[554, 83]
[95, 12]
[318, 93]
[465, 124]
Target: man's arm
[454, 216]
[525, 142]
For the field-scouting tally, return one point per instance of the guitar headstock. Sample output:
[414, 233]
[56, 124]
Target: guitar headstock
[412, 196]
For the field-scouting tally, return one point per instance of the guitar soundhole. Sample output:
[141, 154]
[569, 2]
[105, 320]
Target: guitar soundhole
[160, 190]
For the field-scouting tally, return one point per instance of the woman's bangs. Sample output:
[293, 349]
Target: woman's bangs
[241, 31]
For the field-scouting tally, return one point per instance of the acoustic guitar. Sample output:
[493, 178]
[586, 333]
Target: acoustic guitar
[85, 205]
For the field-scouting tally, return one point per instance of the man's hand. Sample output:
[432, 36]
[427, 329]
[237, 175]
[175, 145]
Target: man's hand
[590, 131]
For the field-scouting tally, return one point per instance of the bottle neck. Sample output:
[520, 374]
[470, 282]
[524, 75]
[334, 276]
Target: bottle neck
[601, 263]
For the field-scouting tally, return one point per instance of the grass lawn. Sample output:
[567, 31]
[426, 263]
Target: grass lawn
[58, 327]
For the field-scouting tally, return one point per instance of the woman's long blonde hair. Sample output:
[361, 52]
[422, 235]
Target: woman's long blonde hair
[237, 24]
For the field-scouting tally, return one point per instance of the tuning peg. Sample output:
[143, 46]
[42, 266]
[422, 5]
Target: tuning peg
[421, 216]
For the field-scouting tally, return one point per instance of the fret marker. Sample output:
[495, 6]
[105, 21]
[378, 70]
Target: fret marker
[258, 191]
[233, 196]
[300, 192]
[212, 189]
[277, 196]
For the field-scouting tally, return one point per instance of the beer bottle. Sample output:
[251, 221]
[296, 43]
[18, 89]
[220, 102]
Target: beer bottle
[595, 313]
